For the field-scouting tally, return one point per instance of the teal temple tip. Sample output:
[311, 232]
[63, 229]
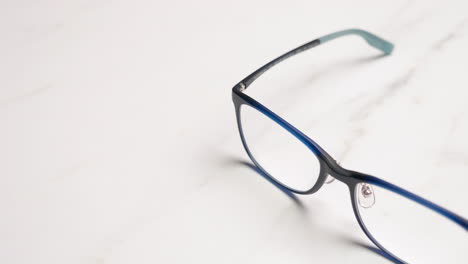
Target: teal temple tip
[381, 44]
[373, 40]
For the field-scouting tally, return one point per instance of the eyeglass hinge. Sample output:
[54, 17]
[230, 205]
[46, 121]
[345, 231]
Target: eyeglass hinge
[242, 87]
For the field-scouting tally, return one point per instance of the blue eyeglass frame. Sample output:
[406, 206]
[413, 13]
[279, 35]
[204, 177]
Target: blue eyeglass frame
[329, 166]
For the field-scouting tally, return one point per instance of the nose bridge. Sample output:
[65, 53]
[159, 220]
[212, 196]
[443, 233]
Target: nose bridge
[336, 171]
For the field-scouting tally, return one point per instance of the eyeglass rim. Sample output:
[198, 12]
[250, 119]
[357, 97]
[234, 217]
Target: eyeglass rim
[329, 166]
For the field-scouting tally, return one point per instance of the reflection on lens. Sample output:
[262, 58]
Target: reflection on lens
[278, 152]
[410, 231]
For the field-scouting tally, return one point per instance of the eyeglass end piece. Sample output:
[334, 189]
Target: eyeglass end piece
[240, 86]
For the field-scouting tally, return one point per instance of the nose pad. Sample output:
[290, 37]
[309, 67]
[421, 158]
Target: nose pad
[330, 179]
[366, 195]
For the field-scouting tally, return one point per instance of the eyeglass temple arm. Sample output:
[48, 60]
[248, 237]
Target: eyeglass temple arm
[385, 46]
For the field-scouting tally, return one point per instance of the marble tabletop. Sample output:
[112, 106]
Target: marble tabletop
[119, 141]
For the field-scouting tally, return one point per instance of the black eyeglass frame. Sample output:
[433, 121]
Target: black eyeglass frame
[328, 165]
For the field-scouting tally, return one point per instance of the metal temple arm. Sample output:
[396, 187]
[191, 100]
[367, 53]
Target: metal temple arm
[385, 46]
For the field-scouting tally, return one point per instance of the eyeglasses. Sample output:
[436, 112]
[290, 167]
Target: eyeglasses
[404, 225]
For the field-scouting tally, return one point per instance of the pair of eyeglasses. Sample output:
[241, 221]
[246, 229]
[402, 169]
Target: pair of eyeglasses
[407, 227]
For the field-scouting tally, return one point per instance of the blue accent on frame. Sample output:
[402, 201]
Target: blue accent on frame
[321, 154]
[463, 222]
[328, 166]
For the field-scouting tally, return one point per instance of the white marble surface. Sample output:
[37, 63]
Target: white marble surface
[118, 136]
